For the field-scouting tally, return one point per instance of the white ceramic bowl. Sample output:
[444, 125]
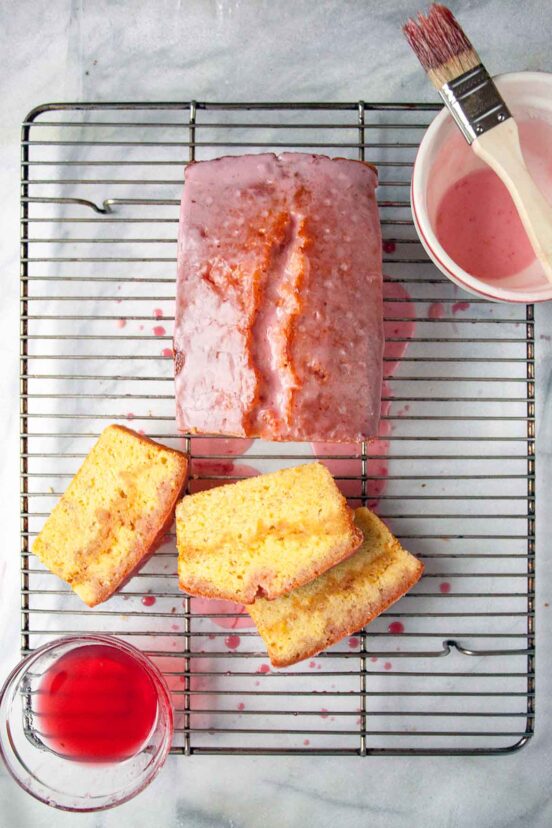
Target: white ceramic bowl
[529, 95]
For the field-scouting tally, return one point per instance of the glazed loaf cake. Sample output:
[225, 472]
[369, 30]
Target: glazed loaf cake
[263, 536]
[114, 511]
[341, 601]
[278, 329]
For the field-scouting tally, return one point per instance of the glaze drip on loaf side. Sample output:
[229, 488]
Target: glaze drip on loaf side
[279, 330]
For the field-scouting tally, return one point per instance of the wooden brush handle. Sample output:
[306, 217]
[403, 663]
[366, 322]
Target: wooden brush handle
[500, 149]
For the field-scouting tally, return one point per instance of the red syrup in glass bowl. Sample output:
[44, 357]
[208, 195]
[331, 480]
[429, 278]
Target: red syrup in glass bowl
[96, 704]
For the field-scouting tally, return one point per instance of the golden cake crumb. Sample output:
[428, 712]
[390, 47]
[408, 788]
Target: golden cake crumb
[342, 600]
[117, 507]
[264, 535]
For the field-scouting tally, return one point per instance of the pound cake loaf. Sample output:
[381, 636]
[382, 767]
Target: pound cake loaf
[342, 600]
[263, 536]
[115, 510]
[279, 320]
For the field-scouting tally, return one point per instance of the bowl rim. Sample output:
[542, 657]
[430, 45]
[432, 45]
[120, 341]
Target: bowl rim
[425, 231]
[163, 694]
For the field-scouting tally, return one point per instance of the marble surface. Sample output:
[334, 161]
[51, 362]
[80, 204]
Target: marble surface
[262, 50]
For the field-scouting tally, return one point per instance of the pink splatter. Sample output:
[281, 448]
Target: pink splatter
[141, 327]
[167, 352]
[237, 618]
[148, 600]
[158, 313]
[121, 323]
[324, 713]
[389, 246]
[241, 706]
[373, 658]
[159, 330]
[306, 742]
[175, 627]
[444, 587]
[225, 470]
[460, 306]
[130, 415]
[264, 668]
[354, 642]
[436, 310]
[232, 642]
[387, 666]
[141, 431]
[228, 446]
[396, 627]
[312, 664]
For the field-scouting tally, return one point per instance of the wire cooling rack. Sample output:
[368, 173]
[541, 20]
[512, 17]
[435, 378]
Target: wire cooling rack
[450, 668]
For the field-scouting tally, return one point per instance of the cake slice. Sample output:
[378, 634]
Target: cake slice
[340, 602]
[263, 536]
[113, 513]
[279, 310]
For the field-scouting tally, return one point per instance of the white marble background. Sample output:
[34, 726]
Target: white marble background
[261, 50]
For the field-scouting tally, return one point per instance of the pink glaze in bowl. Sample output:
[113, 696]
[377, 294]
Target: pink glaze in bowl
[444, 158]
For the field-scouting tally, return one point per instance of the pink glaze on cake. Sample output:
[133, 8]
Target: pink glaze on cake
[278, 328]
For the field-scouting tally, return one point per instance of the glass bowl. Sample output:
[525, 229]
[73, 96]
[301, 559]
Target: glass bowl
[89, 779]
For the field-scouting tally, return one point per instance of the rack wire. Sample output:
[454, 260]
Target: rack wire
[448, 670]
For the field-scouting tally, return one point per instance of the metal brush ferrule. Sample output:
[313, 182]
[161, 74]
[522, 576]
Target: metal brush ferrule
[474, 102]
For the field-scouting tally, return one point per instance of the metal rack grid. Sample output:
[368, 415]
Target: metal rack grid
[448, 670]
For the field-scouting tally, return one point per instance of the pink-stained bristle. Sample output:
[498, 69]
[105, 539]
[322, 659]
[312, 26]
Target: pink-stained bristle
[436, 38]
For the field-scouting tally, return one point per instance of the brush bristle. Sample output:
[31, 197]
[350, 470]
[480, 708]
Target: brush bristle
[440, 45]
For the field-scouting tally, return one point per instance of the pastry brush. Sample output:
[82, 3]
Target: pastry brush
[455, 69]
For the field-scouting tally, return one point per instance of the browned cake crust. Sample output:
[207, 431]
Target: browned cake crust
[341, 601]
[114, 513]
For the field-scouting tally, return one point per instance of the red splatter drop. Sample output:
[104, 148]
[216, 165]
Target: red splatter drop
[389, 246]
[324, 713]
[175, 627]
[141, 327]
[130, 415]
[241, 706]
[373, 658]
[396, 627]
[148, 600]
[158, 313]
[141, 431]
[444, 587]
[436, 310]
[354, 642]
[387, 666]
[460, 306]
[159, 330]
[312, 664]
[236, 618]
[306, 742]
[121, 323]
[264, 668]
[167, 352]
[232, 642]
